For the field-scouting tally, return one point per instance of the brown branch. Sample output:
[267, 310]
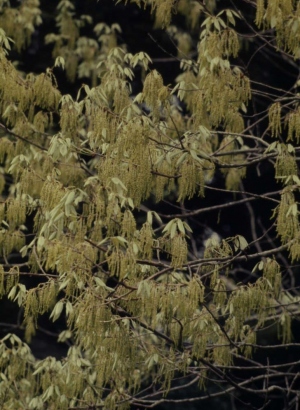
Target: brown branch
[226, 205]
[22, 138]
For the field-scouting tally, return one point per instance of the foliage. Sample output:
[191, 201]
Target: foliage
[83, 179]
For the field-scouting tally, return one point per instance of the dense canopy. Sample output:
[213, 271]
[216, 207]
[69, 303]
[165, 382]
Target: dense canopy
[149, 203]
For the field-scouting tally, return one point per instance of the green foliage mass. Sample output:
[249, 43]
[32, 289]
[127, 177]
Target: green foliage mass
[138, 306]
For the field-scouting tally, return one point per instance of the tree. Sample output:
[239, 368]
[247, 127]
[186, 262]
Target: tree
[119, 180]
